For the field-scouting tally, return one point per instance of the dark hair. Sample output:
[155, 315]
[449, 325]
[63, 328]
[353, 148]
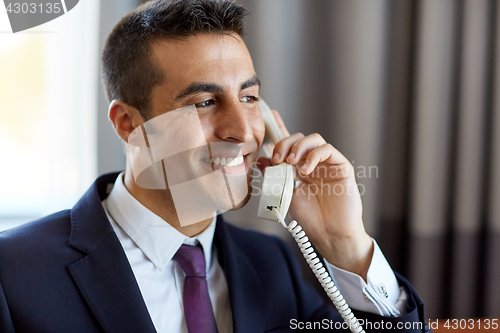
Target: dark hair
[128, 72]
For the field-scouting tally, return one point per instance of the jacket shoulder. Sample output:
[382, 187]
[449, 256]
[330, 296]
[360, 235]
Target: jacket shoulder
[39, 235]
[280, 274]
[256, 241]
[252, 236]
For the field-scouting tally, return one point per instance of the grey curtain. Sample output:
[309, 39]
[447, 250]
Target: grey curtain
[409, 91]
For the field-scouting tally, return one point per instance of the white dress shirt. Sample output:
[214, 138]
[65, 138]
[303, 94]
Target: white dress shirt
[150, 244]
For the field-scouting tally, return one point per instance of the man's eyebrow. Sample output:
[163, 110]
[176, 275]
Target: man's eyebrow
[254, 81]
[198, 87]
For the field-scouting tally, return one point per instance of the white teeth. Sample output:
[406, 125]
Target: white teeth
[229, 162]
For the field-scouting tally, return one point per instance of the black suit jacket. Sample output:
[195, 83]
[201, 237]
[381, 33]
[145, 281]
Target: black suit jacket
[67, 272]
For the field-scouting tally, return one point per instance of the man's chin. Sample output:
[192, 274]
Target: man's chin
[243, 202]
[248, 196]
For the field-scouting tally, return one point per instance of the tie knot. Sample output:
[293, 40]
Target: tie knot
[191, 260]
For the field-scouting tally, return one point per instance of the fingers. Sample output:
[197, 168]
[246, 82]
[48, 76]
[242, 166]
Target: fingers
[302, 147]
[324, 153]
[294, 148]
[282, 148]
[309, 151]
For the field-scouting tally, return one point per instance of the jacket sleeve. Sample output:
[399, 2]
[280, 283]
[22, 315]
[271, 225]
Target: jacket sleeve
[6, 325]
[316, 308]
[413, 321]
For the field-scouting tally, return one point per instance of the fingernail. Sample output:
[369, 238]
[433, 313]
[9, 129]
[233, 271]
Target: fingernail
[304, 167]
[276, 157]
[292, 155]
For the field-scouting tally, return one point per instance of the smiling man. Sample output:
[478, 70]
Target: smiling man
[179, 76]
[213, 73]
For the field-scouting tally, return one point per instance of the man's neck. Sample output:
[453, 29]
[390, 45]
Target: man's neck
[160, 202]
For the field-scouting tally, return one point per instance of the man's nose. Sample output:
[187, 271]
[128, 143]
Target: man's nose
[234, 124]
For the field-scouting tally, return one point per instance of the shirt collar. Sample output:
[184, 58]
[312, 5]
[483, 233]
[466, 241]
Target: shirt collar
[157, 239]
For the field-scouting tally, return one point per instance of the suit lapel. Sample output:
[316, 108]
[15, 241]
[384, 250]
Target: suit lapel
[245, 289]
[104, 276]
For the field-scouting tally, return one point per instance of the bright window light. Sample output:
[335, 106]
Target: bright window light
[48, 104]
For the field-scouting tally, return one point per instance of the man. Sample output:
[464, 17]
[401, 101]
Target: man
[118, 261]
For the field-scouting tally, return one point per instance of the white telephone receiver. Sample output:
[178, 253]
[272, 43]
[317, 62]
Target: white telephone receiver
[277, 187]
[277, 191]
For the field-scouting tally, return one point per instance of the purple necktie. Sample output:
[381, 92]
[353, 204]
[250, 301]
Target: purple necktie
[197, 307]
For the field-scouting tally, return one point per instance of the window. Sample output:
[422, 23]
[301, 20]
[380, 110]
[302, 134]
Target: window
[48, 101]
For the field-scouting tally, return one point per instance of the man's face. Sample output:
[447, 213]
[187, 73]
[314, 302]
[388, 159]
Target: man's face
[215, 73]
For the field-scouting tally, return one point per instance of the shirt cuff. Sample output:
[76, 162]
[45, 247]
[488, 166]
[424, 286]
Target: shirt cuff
[381, 295]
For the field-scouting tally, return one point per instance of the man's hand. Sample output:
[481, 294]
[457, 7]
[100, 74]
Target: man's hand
[326, 202]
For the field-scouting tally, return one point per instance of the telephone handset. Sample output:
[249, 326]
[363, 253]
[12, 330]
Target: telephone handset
[277, 187]
[276, 196]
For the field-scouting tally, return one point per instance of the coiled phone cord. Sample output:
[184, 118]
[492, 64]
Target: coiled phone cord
[320, 272]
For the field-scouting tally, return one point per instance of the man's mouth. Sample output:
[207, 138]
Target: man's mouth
[223, 161]
[231, 165]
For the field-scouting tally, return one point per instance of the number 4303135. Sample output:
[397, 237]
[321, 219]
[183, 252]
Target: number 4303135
[462, 324]
[33, 8]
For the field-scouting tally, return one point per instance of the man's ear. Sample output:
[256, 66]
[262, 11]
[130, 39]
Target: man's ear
[125, 118]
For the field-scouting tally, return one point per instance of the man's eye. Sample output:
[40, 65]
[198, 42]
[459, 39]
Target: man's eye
[250, 99]
[205, 104]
